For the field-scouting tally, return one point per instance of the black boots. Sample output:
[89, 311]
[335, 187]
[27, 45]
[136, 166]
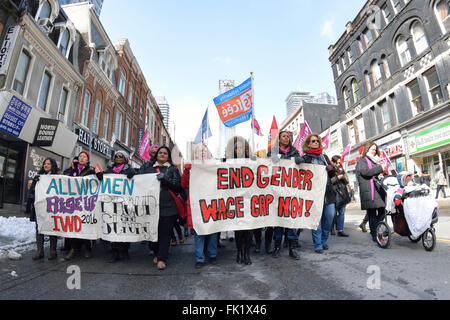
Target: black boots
[277, 250]
[40, 247]
[240, 256]
[115, 256]
[292, 253]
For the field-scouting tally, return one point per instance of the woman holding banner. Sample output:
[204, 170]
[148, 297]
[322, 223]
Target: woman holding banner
[120, 166]
[372, 195]
[285, 151]
[169, 176]
[239, 148]
[201, 152]
[312, 147]
[48, 167]
[82, 169]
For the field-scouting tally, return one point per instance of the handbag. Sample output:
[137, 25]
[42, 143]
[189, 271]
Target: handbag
[179, 202]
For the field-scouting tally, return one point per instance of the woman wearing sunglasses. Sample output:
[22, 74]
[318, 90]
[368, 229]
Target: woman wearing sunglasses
[120, 166]
[312, 147]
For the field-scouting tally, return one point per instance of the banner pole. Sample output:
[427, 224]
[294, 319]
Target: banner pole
[253, 114]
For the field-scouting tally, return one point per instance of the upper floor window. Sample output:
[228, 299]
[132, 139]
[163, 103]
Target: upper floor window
[122, 82]
[385, 115]
[434, 86]
[63, 102]
[85, 111]
[45, 11]
[64, 42]
[415, 96]
[344, 63]
[355, 91]
[386, 70]
[105, 125]
[96, 119]
[387, 13]
[21, 72]
[130, 94]
[368, 37]
[118, 125]
[45, 90]
[376, 73]
[349, 55]
[419, 38]
[346, 97]
[397, 5]
[442, 11]
[338, 68]
[367, 80]
[403, 51]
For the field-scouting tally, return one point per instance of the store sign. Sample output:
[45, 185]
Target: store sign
[35, 161]
[96, 144]
[393, 150]
[45, 133]
[7, 48]
[429, 139]
[15, 116]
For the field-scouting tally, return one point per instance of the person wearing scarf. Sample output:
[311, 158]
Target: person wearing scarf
[81, 169]
[312, 147]
[287, 152]
[372, 198]
[120, 166]
[169, 176]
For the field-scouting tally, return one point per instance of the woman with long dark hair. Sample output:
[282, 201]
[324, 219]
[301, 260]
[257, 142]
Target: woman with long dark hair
[49, 166]
[286, 152]
[169, 176]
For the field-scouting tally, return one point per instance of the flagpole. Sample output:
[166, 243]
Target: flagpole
[253, 114]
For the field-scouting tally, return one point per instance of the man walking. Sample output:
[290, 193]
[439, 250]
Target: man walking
[441, 182]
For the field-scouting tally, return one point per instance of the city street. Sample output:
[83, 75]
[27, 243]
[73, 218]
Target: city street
[347, 271]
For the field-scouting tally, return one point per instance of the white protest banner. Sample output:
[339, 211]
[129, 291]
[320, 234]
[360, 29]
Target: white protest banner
[244, 195]
[116, 209]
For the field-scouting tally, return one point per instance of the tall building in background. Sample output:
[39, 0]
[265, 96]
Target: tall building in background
[165, 109]
[97, 4]
[294, 99]
[324, 98]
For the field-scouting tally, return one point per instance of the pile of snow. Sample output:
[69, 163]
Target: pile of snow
[16, 234]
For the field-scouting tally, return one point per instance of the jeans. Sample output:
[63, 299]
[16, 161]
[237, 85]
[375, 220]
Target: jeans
[340, 218]
[320, 236]
[279, 232]
[375, 216]
[211, 247]
[439, 188]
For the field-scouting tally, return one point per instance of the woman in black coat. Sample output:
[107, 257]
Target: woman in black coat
[286, 152]
[120, 166]
[82, 169]
[48, 167]
[169, 176]
[372, 196]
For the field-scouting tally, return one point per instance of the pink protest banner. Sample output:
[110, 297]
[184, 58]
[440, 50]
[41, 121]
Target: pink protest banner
[144, 149]
[304, 132]
[326, 140]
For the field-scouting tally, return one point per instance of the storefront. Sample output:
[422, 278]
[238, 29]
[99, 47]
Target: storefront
[20, 124]
[430, 150]
[100, 152]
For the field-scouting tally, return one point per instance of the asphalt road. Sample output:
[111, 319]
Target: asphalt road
[353, 268]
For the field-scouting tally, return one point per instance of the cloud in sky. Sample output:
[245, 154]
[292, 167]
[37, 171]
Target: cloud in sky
[327, 29]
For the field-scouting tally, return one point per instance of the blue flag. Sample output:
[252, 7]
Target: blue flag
[203, 132]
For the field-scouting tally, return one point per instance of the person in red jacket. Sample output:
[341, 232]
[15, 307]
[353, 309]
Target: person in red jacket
[201, 152]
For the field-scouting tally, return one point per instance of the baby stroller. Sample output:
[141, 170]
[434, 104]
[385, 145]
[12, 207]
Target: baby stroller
[413, 218]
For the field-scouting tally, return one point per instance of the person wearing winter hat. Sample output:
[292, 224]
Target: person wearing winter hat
[82, 169]
[120, 166]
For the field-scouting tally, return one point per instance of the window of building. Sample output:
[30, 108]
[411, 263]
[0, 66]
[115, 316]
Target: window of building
[96, 119]
[386, 70]
[359, 128]
[122, 82]
[130, 94]
[338, 67]
[368, 37]
[403, 51]
[355, 91]
[118, 125]
[85, 111]
[376, 73]
[349, 55]
[419, 38]
[442, 10]
[397, 5]
[385, 115]
[387, 13]
[351, 132]
[360, 45]
[44, 92]
[367, 80]
[46, 10]
[63, 101]
[127, 132]
[344, 62]
[105, 125]
[21, 72]
[334, 140]
[373, 111]
[415, 96]
[346, 97]
[434, 86]
[394, 107]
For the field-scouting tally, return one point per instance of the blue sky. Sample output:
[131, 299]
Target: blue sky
[185, 47]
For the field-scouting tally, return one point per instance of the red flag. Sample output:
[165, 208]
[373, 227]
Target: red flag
[144, 149]
[273, 134]
[346, 151]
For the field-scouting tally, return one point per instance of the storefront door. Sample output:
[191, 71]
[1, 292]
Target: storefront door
[12, 158]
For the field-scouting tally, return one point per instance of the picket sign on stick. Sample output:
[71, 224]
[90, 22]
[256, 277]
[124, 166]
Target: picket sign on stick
[116, 209]
[244, 195]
